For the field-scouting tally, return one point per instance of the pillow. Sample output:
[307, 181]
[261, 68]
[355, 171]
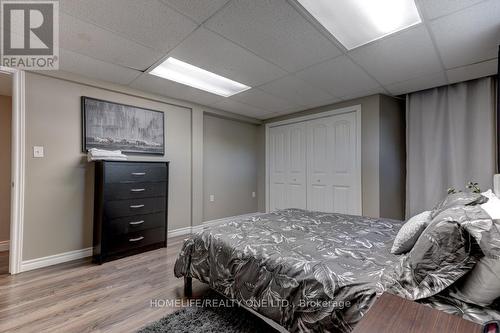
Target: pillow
[458, 199]
[409, 232]
[482, 285]
[443, 253]
[489, 194]
[492, 206]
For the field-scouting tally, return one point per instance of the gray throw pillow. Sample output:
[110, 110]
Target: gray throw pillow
[458, 199]
[482, 285]
[443, 254]
[409, 233]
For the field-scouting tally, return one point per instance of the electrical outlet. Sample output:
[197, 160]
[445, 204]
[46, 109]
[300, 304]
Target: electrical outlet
[38, 152]
[212, 198]
[253, 195]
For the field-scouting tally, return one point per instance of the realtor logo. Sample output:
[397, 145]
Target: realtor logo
[30, 34]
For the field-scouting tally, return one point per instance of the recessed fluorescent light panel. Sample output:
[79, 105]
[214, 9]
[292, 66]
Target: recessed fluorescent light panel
[179, 71]
[357, 22]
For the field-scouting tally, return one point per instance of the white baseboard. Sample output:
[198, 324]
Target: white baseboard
[4, 246]
[226, 219]
[193, 229]
[28, 265]
[180, 232]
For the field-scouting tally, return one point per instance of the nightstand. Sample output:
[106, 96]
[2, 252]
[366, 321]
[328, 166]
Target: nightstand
[393, 314]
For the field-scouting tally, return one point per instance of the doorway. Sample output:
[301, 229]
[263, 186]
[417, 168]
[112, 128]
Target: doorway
[5, 168]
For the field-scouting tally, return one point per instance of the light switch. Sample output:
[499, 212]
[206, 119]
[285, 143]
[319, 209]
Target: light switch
[212, 198]
[38, 152]
[253, 194]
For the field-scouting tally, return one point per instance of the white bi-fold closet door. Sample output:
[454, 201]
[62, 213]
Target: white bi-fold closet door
[315, 164]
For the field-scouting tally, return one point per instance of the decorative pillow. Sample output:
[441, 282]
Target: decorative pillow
[443, 253]
[409, 232]
[458, 199]
[482, 285]
[492, 206]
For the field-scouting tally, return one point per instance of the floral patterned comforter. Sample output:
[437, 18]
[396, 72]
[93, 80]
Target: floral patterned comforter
[320, 272]
[307, 271]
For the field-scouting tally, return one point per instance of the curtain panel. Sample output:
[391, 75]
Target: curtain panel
[451, 140]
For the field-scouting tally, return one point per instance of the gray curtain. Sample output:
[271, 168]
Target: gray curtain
[450, 141]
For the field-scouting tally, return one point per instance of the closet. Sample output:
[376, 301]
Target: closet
[315, 163]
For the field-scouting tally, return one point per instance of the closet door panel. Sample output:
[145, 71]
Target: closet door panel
[343, 173]
[319, 193]
[278, 160]
[313, 165]
[296, 171]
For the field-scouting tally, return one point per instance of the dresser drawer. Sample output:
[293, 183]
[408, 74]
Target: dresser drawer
[136, 239]
[135, 190]
[134, 223]
[119, 172]
[123, 208]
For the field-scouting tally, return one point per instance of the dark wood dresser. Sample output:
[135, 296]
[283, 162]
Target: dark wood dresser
[130, 208]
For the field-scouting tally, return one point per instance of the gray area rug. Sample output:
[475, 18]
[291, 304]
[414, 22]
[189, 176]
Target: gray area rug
[210, 320]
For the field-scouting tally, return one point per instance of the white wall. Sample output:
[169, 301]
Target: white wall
[59, 187]
[230, 158]
[5, 162]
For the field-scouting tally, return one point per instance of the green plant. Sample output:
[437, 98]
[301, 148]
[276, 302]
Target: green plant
[474, 187]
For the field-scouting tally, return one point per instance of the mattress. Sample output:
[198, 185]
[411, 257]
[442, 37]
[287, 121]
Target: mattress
[307, 271]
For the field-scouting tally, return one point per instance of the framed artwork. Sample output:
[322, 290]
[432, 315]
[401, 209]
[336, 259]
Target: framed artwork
[113, 126]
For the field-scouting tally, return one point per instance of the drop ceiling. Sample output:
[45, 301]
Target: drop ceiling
[276, 47]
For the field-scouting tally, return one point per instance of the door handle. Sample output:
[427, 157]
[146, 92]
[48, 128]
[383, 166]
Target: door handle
[136, 239]
[138, 173]
[136, 206]
[136, 223]
[138, 190]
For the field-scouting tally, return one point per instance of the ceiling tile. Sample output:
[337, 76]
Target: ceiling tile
[147, 22]
[262, 100]
[379, 90]
[436, 8]
[406, 55]
[296, 90]
[471, 72]
[325, 102]
[156, 85]
[88, 39]
[214, 53]
[469, 36]
[95, 69]
[275, 31]
[198, 10]
[239, 108]
[421, 83]
[339, 76]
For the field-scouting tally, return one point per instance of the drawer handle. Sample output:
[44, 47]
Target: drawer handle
[136, 206]
[136, 223]
[136, 239]
[138, 190]
[138, 173]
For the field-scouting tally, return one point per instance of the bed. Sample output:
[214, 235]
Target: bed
[310, 271]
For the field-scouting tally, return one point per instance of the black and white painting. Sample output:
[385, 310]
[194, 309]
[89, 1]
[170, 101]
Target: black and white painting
[113, 126]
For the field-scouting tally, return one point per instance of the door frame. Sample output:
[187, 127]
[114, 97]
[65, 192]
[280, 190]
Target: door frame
[354, 108]
[17, 168]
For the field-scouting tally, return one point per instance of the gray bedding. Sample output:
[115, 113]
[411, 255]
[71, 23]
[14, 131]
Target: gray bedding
[307, 271]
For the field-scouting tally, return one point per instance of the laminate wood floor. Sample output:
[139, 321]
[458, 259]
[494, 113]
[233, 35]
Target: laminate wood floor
[83, 297]
[4, 262]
